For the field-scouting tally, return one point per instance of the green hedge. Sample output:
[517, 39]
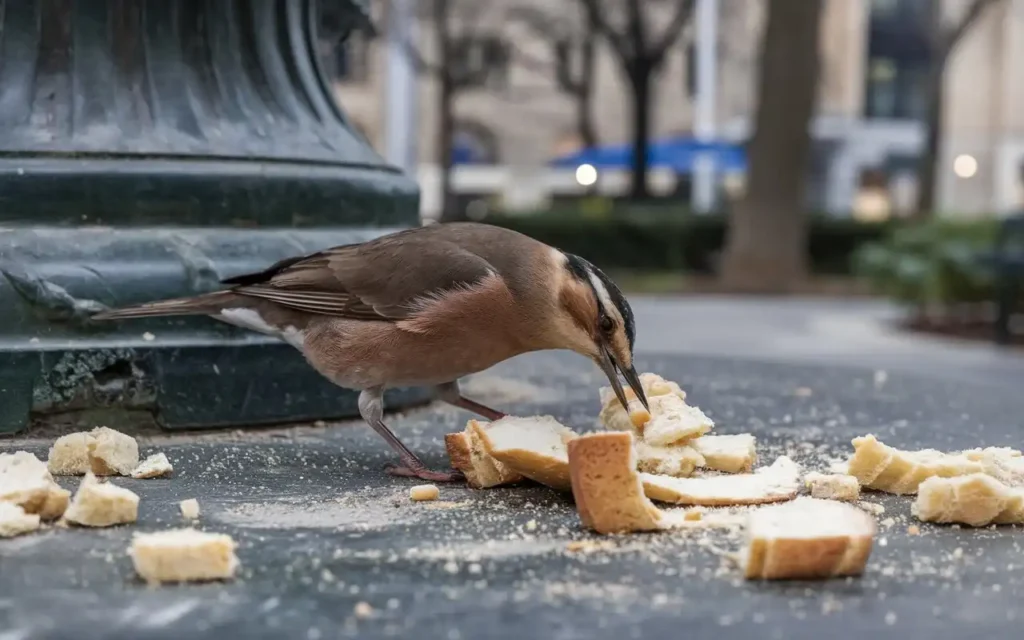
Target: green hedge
[664, 240]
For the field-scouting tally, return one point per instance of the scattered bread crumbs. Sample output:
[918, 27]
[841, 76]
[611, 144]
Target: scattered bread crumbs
[154, 466]
[424, 492]
[589, 546]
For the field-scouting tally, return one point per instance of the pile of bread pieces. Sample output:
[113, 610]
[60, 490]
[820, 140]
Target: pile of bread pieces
[800, 525]
[30, 499]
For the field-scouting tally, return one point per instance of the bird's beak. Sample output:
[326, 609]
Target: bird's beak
[608, 365]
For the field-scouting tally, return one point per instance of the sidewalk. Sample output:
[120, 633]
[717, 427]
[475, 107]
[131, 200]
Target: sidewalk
[838, 332]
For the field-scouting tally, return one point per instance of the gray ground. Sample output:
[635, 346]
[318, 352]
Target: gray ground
[321, 529]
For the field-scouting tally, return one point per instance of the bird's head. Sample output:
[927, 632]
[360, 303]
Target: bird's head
[597, 322]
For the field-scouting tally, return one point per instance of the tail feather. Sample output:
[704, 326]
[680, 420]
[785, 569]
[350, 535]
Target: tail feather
[196, 305]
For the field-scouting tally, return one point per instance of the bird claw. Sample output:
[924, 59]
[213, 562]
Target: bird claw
[424, 474]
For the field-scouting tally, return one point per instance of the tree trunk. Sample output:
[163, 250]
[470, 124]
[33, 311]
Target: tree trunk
[585, 96]
[928, 164]
[445, 153]
[766, 246]
[640, 78]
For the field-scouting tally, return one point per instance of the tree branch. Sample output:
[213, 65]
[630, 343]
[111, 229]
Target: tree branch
[974, 11]
[620, 43]
[682, 15]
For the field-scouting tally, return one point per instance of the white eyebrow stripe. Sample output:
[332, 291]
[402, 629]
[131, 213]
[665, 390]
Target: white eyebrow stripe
[602, 293]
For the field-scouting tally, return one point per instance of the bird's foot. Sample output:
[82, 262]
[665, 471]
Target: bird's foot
[423, 473]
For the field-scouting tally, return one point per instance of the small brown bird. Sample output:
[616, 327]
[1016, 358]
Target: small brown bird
[426, 306]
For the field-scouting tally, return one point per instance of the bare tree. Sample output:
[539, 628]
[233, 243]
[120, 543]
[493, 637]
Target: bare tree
[765, 249]
[944, 39]
[573, 48]
[640, 53]
[465, 55]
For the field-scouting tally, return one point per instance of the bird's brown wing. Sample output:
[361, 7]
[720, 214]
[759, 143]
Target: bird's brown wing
[384, 279]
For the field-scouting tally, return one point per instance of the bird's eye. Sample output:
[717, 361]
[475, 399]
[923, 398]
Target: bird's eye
[606, 324]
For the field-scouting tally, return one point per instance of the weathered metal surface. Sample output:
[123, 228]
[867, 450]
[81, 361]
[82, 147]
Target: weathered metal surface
[147, 150]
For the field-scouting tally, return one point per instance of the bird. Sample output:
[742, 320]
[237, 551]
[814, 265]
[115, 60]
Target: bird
[425, 307]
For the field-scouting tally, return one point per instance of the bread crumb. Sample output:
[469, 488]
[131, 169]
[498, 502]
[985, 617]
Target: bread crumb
[189, 508]
[154, 466]
[183, 555]
[102, 504]
[424, 492]
[588, 546]
[693, 515]
[15, 522]
[531, 525]
[833, 486]
[913, 530]
[363, 610]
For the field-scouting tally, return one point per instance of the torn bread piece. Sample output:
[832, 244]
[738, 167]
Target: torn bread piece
[154, 466]
[614, 417]
[977, 500]
[678, 461]
[534, 447]
[467, 454]
[884, 468]
[183, 555]
[807, 538]
[26, 482]
[735, 453]
[777, 483]
[833, 486]
[103, 451]
[102, 504]
[674, 422]
[606, 487]
[15, 522]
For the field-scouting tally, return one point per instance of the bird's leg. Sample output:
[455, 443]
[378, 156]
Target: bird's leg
[371, 408]
[450, 393]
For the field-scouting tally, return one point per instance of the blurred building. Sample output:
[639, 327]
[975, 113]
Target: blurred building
[868, 131]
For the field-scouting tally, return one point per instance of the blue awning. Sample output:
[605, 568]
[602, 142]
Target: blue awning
[678, 154]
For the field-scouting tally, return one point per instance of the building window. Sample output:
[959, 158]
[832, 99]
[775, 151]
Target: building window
[899, 59]
[485, 59]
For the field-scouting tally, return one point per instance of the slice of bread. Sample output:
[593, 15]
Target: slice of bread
[102, 504]
[154, 466]
[977, 500]
[678, 461]
[729, 453]
[26, 482]
[534, 447]
[467, 454]
[777, 483]
[833, 486]
[15, 522]
[606, 487]
[183, 555]
[884, 468]
[103, 451]
[807, 538]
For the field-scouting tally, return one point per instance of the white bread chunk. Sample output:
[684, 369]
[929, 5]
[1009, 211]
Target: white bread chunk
[15, 522]
[467, 454]
[674, 422]
[102, 504]
[883, 468]
[183, 555]
[678, 461]
[424, 493]
[69, 455]
[807, 538]
[534, 447]
[606, 486]
[729, 453]
[102, 451]
[977, 500]
[615, 418]
[189, 509]
[26, 482]
[833, 486]
[777, 483]
[154, 466]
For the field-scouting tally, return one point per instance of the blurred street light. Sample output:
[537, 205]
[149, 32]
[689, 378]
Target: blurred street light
[965, 166]
[586, 175]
